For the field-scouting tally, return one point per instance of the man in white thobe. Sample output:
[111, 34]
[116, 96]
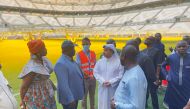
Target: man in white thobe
[7, 100]
[108, 72]
[2, 78]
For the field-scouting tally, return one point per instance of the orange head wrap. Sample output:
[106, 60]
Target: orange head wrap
[35, 46]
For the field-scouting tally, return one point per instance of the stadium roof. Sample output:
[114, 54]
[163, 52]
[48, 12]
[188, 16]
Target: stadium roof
[117, 16]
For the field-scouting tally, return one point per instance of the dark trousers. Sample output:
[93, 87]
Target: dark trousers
[90, 87]
[152, 90]
[68, 107]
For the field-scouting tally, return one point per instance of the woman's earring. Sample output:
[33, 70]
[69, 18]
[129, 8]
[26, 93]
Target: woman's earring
[33, 56]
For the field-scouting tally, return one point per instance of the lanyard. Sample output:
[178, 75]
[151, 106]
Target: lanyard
[181, 71]
[89, 58]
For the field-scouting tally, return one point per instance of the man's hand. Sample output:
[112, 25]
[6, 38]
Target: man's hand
[22, 105]
[157, 82]
[187, 106]
[171, 49]
[107, 84]
[113, 104]
[91, 77]
[72, 104]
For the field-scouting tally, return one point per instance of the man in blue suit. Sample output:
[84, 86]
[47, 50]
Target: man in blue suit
[70, 78]
[178, 90]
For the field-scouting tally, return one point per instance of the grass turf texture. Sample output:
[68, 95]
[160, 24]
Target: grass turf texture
[14, 55]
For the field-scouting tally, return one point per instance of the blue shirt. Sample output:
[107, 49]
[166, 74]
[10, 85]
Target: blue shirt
[131, 92]
[178, 91]
[70, 80]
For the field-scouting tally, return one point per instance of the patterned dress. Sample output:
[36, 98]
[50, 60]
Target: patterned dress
[40, 94]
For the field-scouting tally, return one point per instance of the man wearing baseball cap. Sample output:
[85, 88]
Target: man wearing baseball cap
[70, 77]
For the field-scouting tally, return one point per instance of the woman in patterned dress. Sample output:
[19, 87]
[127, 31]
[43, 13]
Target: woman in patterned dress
[37, 90]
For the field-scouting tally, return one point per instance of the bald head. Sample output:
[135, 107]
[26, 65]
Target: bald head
[158, 36]
[149, 41]
[181, 47]
[133, 43]
[129, 55]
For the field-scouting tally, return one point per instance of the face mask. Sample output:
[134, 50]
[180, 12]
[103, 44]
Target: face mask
[86, 47]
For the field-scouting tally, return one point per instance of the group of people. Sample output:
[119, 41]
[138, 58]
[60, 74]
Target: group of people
[125, 77]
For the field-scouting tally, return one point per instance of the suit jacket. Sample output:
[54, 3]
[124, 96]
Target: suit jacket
[70, 80]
